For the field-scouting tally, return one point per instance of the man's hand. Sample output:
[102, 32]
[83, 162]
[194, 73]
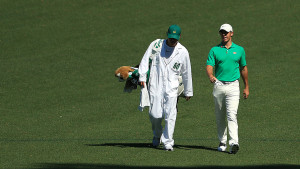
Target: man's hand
[246, 93]
[212, 79]
[143, 84]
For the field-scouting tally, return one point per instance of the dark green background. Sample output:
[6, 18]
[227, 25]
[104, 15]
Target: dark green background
[62, 107]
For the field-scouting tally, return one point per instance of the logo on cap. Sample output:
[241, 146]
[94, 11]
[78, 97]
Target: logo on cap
[174, 31]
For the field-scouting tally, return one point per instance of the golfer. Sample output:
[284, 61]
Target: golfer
[166, 59]
[229, 61]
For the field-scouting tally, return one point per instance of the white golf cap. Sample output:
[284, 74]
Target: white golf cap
[226, 27]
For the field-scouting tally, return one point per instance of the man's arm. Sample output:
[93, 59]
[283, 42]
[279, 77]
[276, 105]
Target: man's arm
[244, 74]
[186, 73]
[210, 73]
[144, 66]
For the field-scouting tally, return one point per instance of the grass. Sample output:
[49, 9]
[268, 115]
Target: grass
[61, 106]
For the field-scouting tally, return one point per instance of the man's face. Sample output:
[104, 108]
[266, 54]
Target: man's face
[172, 42]
[225, 36]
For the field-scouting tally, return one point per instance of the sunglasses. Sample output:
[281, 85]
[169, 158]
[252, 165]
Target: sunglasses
[223, 32]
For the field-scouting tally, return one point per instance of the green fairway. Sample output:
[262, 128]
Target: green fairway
[61, 106]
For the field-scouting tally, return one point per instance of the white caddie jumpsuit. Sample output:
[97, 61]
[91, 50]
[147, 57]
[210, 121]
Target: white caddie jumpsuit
[163, 84]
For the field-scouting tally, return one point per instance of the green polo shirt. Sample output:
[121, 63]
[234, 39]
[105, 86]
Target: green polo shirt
[227, 61]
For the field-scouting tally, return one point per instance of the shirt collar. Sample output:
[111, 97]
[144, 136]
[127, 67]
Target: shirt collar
[232, 45]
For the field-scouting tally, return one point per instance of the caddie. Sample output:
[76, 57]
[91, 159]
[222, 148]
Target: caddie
[168, 60]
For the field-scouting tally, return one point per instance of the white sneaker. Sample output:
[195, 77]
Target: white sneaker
[168, 148]
[222, 147]
[155, 142]
[234, 148]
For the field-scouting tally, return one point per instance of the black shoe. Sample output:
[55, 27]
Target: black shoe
[155, 142]
[234, 149]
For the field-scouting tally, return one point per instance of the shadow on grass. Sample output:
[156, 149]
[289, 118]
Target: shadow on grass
[149, 145]
[124, 145]
[107, 166]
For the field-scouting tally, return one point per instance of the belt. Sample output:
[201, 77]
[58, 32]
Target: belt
[227, 82]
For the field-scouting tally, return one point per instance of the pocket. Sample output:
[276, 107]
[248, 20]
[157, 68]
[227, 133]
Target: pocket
[218, 83]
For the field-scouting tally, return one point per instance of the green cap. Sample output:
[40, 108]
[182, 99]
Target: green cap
[174, 31]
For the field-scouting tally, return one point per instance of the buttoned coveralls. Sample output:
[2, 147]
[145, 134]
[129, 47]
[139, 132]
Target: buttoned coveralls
[163, 84]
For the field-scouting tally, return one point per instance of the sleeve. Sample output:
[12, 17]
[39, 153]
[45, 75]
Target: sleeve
[144, 65]
[211, 58]
[186, 72]
[243, 58]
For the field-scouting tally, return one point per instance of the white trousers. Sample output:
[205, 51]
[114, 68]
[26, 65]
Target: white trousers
[226, 98]
[166, 109]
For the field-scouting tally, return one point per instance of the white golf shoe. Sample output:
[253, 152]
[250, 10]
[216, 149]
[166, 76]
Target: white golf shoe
[168, 148]
[222, 147]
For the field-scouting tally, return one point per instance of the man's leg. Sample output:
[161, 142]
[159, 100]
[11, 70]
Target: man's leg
[220, 112]
[156, 126]
[155, 115]
[232, 103]
[170, 113]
